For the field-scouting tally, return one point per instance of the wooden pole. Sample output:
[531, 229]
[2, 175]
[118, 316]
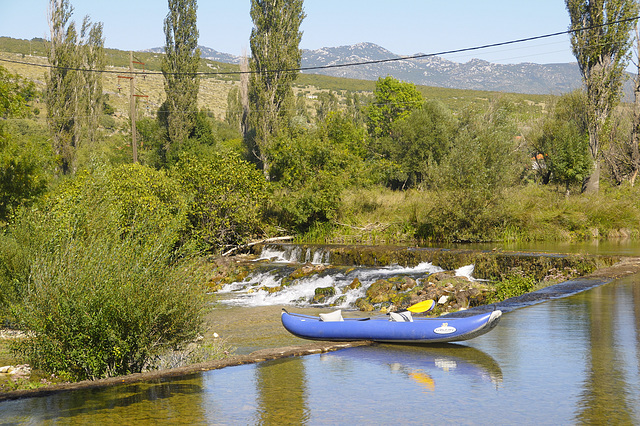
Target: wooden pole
[132, 107]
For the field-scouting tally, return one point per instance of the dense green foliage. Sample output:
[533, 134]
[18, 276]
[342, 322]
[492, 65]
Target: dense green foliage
[309, 180]
[24, 162]
[94, 275]
[419, 142]
[513, 286]
[226, 198]
[101, 303]
[15, 92]
[393, 100]
[562, 147]
[22, 176]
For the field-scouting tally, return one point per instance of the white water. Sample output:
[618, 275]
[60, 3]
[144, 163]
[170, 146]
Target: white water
[294, 255]
[466, 271]
[251, 291]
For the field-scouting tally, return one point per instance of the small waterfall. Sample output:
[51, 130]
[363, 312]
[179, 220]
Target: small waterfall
[294, 254]
[267, 288]
[466, 271]
[271, 283]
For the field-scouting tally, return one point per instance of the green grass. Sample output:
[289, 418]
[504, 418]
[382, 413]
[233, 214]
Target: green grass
[524, 213]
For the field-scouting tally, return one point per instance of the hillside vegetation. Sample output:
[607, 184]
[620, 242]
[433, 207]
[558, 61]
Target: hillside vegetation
[215, 88]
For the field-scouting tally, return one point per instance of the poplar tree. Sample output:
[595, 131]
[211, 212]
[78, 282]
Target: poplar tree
[275, 59]
[600, 42]
[74, 84]
[62, 83]
[93, 60]
[180, 67]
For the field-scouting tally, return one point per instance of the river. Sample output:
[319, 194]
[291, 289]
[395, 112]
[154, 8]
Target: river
[565, 361]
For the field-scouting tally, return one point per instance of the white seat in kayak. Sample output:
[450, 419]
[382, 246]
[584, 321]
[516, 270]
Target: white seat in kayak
[332, 316]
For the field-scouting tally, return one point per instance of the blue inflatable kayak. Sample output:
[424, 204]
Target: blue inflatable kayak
[395, 328]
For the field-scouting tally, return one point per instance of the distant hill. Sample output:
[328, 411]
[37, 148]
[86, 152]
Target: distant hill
[435, 71]
[432, 71]
[207, 53]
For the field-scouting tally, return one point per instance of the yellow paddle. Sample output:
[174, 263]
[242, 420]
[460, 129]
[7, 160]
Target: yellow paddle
[424, 306]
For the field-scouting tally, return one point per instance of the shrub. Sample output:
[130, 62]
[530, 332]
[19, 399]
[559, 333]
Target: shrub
[513, 286]
[22, 177]
[144, 197]
[424, 138]
[226, 198]
[93, 276]
[310, 170]
[100, 302]
[304, 205]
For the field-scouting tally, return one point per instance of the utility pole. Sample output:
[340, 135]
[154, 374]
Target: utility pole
[132, 104]
[132, 109]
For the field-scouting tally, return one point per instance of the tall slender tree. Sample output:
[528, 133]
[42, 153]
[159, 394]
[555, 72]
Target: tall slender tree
[238, 100]
[634, 146]
[275, 57]
[74, 84]
[601, 41]
[244, 93]
[93, 61]
[180, 67]
[62, 83]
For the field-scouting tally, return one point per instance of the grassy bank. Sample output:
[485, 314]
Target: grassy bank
[520, 214]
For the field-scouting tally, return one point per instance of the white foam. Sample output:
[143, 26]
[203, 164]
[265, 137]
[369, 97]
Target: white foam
[466, 271]
[301, 291]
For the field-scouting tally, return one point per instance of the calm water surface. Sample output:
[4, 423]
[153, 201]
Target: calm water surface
[567, 361]
[620, 247]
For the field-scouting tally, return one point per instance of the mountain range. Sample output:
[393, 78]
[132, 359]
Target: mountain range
[427, 70]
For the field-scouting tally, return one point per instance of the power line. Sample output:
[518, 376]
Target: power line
[352, 64]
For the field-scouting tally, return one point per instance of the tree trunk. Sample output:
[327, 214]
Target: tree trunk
[591, 184]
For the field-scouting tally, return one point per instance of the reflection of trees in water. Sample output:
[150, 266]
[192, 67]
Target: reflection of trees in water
[636, 312]
[281, 386]
[605, 396]
[131, 403]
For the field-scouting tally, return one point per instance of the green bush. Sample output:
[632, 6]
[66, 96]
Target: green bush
[107, 305]
[561, 145]
[514, 286]
[226, 198]
[306, 204]
[422, 139]
[310, 169]
[99, 294]
[471, 180]
[22, 174]
[144, 198]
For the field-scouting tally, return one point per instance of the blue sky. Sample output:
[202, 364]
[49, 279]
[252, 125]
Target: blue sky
[404, 27]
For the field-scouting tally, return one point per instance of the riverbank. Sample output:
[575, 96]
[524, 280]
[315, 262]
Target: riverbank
[235, 360]
[262, 329]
